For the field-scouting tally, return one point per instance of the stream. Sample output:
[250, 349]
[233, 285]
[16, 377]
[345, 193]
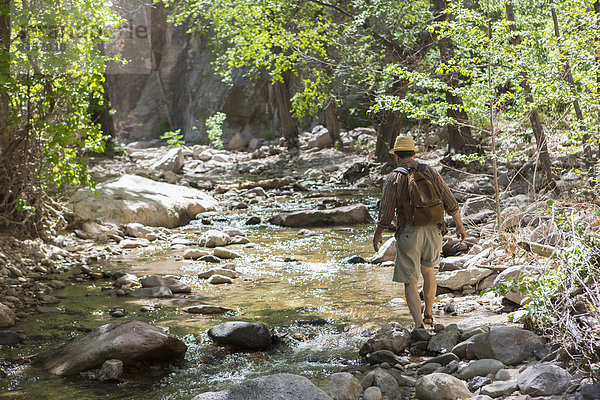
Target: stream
[295, 284]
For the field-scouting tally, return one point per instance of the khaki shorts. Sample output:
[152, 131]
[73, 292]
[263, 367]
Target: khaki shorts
[416, 246]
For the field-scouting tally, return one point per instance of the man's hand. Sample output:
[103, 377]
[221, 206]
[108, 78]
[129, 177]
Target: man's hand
[377, 238]
[461, 233]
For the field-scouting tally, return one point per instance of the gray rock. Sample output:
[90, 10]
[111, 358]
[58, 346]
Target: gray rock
[383, 380]
[438, 386]
[241, 335]
[175, 285]
[543, 379]
[505, 343]
[480, 368]
[347, 215]
[469, 333]
[9, 338]
[131, 198]
[507, 375]
[588, 392]
[428, 368]
[499, 389]
[127, 341]
[445, 340]
[464, 350]
[112, 370]
[480, 397]
[443, 359]
[372, 393]
[205, 309]
[320, 138]
[391, 336]
[272, 387]
[381, 356]
[158, 292]
[172, 161]
[7, 316]
[455, 280]
[343, 386]
[478, 382]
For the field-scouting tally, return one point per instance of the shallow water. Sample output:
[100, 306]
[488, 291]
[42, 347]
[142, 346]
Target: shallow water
[285, 279]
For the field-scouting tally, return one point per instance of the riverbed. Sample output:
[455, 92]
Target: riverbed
[294, 282]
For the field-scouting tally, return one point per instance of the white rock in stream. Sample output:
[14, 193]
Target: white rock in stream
[140, 231]
[387, 252]
[455, 280]
[214, 238]
[131, 198]
[195, 253]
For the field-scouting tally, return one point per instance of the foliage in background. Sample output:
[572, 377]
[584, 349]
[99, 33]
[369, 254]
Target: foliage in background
[53, 82]
[214, 126]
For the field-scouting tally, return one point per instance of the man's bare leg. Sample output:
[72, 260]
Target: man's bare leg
[414, 302]
[429, 288]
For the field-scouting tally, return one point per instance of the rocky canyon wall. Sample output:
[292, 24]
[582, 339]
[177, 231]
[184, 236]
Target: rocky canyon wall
[192, 92]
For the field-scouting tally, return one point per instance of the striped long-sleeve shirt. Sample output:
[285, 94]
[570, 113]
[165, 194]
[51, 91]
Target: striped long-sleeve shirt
[391, 199]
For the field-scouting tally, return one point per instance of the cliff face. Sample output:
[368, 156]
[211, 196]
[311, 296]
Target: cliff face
[192, 92]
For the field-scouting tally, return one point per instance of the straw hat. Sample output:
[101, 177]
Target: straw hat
[404, 143]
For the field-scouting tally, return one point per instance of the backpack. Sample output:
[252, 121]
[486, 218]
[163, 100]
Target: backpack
[421, 198]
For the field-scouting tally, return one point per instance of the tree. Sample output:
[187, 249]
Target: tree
[52, 75]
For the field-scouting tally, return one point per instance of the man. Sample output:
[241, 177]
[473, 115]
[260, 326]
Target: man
[417, 247]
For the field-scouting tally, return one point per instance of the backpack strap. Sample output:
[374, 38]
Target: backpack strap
[421, 167]
[402, 170]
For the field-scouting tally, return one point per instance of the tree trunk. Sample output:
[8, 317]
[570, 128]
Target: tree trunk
[389, 126]
[333, 124]
[5, 29]
[587, 150]
[460, 138]
[289, 126]
[534, 118]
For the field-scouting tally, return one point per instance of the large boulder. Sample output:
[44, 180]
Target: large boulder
[455, 280]
[392, 336]
[242, 335]
[131, 198]
[7, 316]
[343, 386]
[387, 252]
[128, 341]
[543, 379]
[505, 343]
[347, 215]
[439, 386]
[271, 387]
